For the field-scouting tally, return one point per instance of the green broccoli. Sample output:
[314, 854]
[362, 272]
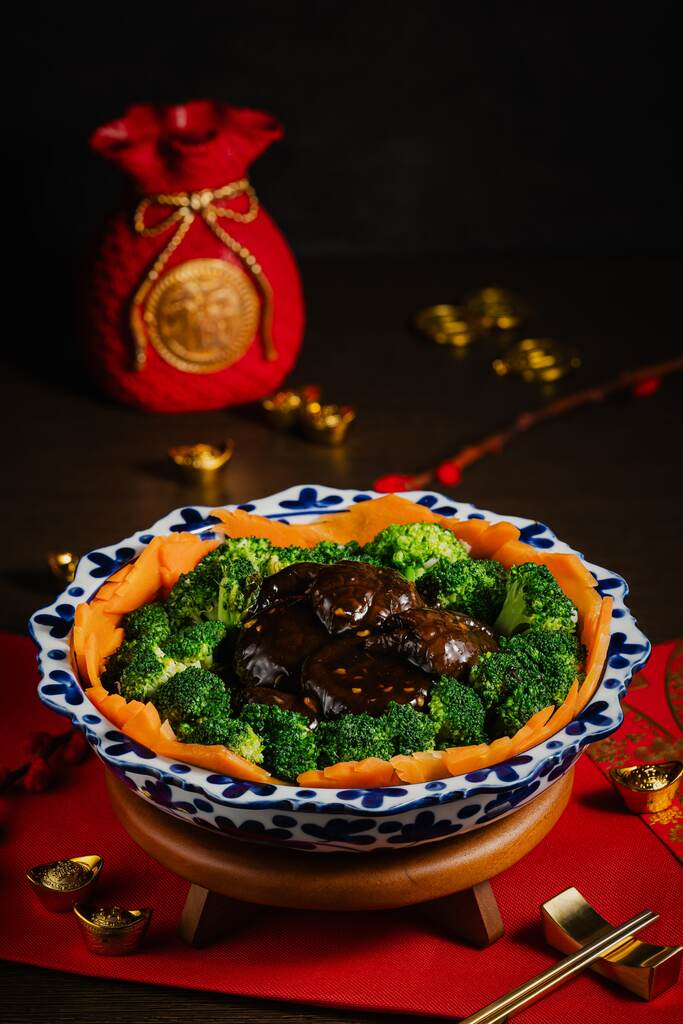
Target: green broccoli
[415, 548]
[146, 669]
[324, 553]
[116, 662]
[457, 713]
[150, 622]
[196, 645]
[257, 551]
[534, 599]
[197, 705]
[289, 745]
[496, 673]
[222, 587]
[559, 657]
[517, 707]
[352, 738]
[408, 730]
[473, 586]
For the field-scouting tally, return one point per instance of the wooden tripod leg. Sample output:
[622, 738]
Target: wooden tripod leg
[207, 916]
[471, 915]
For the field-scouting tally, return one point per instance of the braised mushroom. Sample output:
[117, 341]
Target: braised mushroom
[344, 677]
[437, 641]
[353, 595]
[273, 644]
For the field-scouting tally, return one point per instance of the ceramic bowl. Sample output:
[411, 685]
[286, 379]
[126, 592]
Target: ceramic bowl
[329, 820]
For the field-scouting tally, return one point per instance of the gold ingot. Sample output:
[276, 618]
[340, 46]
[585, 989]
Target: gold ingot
[63, 565]
[494, 308]
[446, 325]
[648, 788]
[58, 888]
[570, 922]
[538, 360]
[327, 424]
[201, 461]
[203, 315]
[112, 931]
[284, 408]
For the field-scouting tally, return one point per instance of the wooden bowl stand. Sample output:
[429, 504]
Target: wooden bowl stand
[448, 880]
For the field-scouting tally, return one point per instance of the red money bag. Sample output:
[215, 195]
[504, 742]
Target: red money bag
[194, 299]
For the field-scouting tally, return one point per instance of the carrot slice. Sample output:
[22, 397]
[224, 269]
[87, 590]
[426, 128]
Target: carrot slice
[596, 655]
[426, 766]
[468, 530]
[369, 773]
[460, 760]
[516, 552]
[492, 538]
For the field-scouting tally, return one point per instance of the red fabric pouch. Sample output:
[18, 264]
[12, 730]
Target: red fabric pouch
[194, 299]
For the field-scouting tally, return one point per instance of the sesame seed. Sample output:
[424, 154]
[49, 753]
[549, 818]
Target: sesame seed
[339, 611]
[248, 625]
[409, 689]
[363, 632]
[340, 671]
[356, 689]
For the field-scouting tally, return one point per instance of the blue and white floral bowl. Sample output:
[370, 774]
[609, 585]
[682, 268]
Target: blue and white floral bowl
[329, 820]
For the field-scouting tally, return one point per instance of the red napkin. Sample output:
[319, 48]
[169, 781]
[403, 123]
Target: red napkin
[384, 961]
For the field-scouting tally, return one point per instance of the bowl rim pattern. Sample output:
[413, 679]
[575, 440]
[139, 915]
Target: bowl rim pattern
[61, 690]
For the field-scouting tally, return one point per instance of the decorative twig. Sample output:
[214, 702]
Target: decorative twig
[642, 383]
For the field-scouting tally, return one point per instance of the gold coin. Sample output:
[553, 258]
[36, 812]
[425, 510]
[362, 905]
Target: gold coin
[203, 315]
[538, 359]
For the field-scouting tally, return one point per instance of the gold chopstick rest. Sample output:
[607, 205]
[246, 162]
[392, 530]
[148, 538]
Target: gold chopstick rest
[284, 408]
[63, 565]
[112, 930]
[648, 788]
[547, 981]
[570, 922]
[61, 883]
[202, 460]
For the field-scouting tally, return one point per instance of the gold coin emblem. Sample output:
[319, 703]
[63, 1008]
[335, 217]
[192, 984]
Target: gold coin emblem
[202, 315]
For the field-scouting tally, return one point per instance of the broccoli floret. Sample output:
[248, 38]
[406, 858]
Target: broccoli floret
[559, 656]
[408, 730]
[116, 663]
[150, 622]
[257, 551]
[497, 673]
[222, 587]
[534, 599]
[352, 738]
[289, 745]
[324, 553]
[196, 645]
[457, 713]
[517, 707]
[146, 669]
[197, 705]
[473, 586]
[415, 548]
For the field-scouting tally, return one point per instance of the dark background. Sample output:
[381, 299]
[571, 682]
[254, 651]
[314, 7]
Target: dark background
[411, 129]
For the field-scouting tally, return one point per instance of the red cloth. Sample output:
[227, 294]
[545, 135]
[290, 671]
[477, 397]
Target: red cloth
[382, 961]
[173, 149]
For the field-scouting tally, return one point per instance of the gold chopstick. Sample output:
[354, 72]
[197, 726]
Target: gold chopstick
[554, 976]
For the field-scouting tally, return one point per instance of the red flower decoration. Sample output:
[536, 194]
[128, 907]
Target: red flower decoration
[449, 474]
[392, 482]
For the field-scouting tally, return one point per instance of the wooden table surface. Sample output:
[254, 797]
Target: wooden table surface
[83, 472]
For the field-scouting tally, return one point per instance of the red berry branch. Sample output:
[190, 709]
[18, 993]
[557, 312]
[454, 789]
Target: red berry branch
[47, 753]
[641, 383]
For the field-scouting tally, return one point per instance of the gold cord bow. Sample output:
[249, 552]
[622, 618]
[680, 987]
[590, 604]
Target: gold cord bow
[188, 205]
